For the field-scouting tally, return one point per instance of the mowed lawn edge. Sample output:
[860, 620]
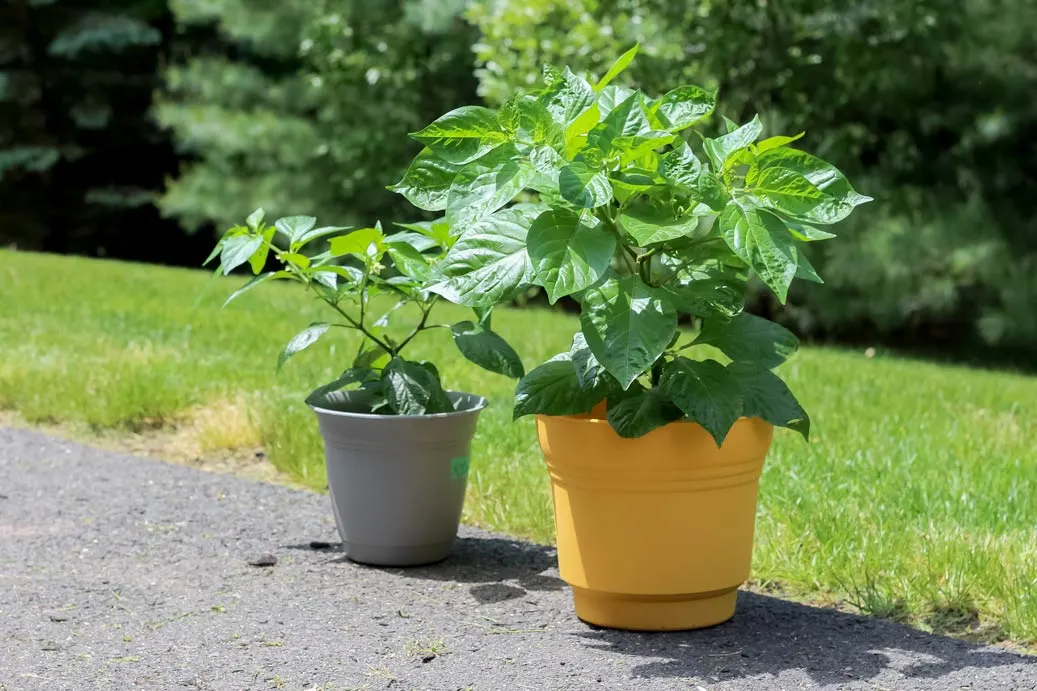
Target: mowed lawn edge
[916, 498]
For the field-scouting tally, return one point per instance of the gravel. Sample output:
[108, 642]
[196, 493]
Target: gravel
[122, 573]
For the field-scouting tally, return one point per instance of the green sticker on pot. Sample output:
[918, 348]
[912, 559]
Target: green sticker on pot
[459, 467]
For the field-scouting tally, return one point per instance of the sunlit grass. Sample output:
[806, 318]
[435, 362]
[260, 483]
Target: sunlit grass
[916, 499]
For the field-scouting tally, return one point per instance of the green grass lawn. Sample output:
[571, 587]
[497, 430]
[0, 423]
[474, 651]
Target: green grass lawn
[916, 498]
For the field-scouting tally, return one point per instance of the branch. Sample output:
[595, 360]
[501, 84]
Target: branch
[425, 311]
[354, 323]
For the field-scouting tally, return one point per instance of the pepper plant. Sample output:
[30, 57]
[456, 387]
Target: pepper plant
[641, 218]
[366, 278]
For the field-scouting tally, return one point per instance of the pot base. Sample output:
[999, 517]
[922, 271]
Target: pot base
[382, 555]
[654, 612]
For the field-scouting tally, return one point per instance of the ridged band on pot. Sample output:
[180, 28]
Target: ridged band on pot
[397, 482]
[654, 533]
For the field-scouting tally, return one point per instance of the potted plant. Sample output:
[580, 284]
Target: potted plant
[396, 443]
[654, 436]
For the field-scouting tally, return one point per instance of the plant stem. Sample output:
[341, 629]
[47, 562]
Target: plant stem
[691, 344]
[629, 256]
[355, 324]
[657, 372]
[425, 311]
[644, 264]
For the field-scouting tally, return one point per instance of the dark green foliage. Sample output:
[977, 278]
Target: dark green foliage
[308, 105]
[80, 161]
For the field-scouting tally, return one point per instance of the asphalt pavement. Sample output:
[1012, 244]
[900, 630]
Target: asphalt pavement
[123, 573]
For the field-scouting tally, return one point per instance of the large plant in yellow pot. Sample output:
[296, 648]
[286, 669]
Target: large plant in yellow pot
[654, 437]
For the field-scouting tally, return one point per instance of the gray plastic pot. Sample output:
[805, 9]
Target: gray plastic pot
[397, 482]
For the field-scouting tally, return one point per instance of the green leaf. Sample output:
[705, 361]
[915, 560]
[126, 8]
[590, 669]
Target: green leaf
[625, 120]
[311, 235]
[255, 219]
[485, 185]
[350, 273]
[486, 349]
[805, 271]
[369, 357]
[760, 239]
[627, 325]
[413, 388]
[708, 297]
[356, 375]
[807, 233]
[774, 142]
[681, 167]
[649, 223]
[436, 231]
[489, 263]
[722, 148]
[767, 397]
[786, 191]
[712, 192]
[547, 161]
[547, 165]
[359, 243]
[610, 97]
[530, 121]
[683, 107]
[255, 281]
[301, 341]
[463, 134]
[576, 133]
[568, 252]
[706, 392]
[326, 278]
[409, 262]
[590, 373]
[567, 97]
[237, 249]
[258, 259]
[215, 250]
[617, 67]
[748, 338]
[637, 411]
[584, 186]
[553, 389]
[632, 181]
[295, 259]
[635, 147]
[427, 181]
[294, 226]
[840, 198]
[416, 241]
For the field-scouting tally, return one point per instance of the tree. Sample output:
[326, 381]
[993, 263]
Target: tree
[308, 106]
[79, 158]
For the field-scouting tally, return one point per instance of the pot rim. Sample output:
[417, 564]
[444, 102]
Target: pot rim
[480, 403]
[588, 417]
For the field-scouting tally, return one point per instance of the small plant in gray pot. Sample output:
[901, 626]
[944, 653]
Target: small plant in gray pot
[396, 442]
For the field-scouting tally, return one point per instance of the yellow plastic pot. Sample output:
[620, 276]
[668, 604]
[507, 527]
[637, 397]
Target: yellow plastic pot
[654, 533]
